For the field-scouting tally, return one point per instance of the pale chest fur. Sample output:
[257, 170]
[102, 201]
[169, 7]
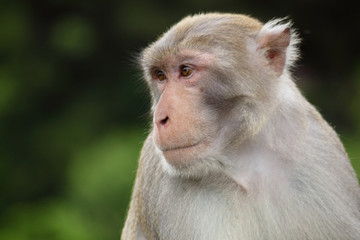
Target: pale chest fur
[210, 214]
[218, 208]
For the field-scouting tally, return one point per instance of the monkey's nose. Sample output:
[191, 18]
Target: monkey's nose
[163, 121]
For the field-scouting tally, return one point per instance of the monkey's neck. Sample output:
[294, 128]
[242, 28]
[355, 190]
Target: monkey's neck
[257, 169]
[262, 163]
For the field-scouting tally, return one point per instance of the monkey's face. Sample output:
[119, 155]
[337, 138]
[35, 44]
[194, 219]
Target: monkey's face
[199, 109]
[184, 127]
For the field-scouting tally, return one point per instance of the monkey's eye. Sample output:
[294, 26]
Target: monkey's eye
[160, 75]
[185, 71]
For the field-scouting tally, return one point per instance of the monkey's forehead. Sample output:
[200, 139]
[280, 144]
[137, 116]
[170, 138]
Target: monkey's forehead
[204, 33]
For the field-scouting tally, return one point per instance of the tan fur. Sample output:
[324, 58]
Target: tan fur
[267, 167]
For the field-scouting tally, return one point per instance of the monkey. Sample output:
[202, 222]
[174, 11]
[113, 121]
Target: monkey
[235, 151]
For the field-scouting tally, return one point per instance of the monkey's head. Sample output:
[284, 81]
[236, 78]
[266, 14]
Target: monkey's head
[214, 81]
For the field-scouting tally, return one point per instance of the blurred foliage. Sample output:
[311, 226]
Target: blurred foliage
[74, 111]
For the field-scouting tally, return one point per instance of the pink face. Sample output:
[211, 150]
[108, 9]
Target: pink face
[182, 125]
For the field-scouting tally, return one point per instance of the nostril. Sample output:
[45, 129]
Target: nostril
[164, 121]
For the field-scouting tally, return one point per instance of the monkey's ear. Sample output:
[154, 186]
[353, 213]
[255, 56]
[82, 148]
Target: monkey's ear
[277, 43]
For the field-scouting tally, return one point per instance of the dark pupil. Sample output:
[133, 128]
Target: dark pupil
[161, 75]
[185, 71]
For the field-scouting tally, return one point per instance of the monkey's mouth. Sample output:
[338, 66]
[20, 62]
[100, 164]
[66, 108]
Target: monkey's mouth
[185, 147]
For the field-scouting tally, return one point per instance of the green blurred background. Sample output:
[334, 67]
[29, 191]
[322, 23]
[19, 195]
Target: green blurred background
[74, 111]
